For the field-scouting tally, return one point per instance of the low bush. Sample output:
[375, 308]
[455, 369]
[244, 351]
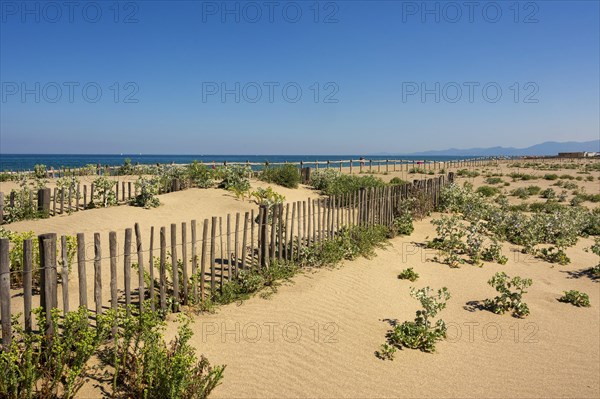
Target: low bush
[548, 193]
[511, 293]
[36, 365]
[145, 366]
[332, 182]
[421, 333]
[396, 181]
[487, 191]
[494, 180]
[235, 178]
[285, 175]
[522, 176]
[147, 191]
[200, 175]
[403, 218]
[576, 298]
[408, 274]
[551, 176]
[553, 255]
[103, 195]
[467, 173]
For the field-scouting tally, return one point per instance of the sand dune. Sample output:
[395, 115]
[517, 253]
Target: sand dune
[316, 336]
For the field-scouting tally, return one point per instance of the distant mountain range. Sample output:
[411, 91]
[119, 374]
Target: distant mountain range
[547, 148]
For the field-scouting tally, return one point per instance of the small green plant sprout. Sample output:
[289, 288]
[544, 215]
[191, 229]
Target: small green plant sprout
[422, 333]
[576, 298]
[408, 274]
[386, 352]
[511, 294]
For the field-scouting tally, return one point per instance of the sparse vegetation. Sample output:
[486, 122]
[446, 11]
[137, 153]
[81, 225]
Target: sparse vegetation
[576, 298]
[511, 295]
[408, 274]
[421, 333]
[285, 175]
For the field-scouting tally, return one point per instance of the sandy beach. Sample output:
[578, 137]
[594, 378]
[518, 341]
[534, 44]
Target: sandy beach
[317, 335]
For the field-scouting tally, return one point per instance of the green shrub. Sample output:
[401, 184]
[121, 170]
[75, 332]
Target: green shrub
[4, 177]
[146, 366]
[494, 180]
[548, 193]
[396, 181]
[332, 182]
[268, 197]
[520, 192]
[104, 194]
[550, 176]
[126, 169]
[421, 333]
[522, 176]
[147, 191]
[403, 219]
[487, 191]
[36, 365]
[553, 255]
[467, 173]
[25, 207]
[285, 175]
[408, 274]
[511, 293]
[449, 240]
[200, 175]
[576, 298]
[235, 178]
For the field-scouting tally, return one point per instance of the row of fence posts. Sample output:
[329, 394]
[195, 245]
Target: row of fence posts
[67, 200]
[106, 170]
[274, 234]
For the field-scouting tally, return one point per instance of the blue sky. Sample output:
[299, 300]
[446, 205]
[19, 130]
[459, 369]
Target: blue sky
[193, 77]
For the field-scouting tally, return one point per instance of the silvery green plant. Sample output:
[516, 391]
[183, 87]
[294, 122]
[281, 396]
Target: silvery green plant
[422, 333]
[511, 295]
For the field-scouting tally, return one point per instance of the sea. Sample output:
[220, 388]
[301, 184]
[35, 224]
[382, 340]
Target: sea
[20, 162]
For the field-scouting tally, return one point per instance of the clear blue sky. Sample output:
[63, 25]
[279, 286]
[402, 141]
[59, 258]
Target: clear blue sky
[170, 61]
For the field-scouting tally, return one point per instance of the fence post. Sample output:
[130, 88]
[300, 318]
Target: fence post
[97, 274]
[5, 292]
[140, 258]
[27, 281]
[81, 270]
[65, 273]
[48, 298]
[174, 267]
[162, 271]
[263, 235]
[184, 261]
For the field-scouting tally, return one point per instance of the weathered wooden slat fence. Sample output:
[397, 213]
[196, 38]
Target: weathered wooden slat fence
[271, 236]
[60, 201]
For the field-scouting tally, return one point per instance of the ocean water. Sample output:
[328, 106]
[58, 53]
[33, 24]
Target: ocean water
[16, 162]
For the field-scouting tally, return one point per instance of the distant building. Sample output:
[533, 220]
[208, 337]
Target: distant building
[571, 154]
[578, 154]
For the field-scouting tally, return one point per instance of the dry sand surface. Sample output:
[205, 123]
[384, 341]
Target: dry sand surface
[317, 335]
[553, 353]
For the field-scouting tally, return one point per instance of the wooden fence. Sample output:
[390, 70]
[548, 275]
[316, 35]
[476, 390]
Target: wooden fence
[60, 201]
[389, 164]
[208, 254]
